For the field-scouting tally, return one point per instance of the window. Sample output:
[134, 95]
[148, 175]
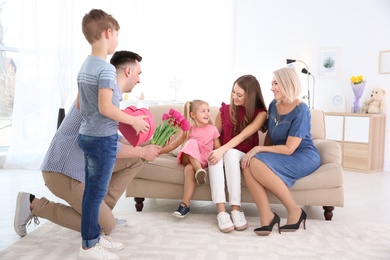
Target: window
[7, 92]
[183, 52]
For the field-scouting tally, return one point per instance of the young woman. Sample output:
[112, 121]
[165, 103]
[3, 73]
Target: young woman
[238, 124]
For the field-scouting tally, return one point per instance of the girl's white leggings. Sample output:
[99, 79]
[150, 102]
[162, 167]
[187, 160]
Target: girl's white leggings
[231, 163]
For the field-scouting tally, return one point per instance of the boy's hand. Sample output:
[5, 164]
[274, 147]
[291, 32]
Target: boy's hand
[140, 125]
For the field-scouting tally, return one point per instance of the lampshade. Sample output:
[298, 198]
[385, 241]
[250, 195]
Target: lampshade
[288, 61]
[305, 71]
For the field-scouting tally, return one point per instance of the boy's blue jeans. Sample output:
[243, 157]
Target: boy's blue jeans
[99, 154]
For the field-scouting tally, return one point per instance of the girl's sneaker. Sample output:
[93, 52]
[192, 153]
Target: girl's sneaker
[182, 211]
[200, 176]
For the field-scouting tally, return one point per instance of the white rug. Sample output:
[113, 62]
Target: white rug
[162, 236]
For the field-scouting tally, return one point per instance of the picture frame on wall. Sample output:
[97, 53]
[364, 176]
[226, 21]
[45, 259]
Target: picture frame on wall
[384, 62]
[330, 61]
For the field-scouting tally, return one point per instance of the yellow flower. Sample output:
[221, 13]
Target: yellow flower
[357, 79]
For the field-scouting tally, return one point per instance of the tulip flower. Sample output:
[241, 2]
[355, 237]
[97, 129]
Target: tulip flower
[172, 123]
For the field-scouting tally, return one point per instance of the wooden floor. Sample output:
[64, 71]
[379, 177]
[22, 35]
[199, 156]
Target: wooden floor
[367, 197]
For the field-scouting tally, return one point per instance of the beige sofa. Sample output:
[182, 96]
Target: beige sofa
[163, 178]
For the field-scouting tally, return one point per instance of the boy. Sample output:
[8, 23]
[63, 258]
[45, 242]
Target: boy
[98, 101]
[63, 167]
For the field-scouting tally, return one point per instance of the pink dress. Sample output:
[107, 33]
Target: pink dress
[200, 143]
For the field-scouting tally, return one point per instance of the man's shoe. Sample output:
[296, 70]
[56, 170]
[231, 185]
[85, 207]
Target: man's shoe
[120, 222]
[225, 224]
[239, 220]
[23, 215]
[96, 252]
[107, 243]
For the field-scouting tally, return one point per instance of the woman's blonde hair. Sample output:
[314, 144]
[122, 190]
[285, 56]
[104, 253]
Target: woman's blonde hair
[288, 82]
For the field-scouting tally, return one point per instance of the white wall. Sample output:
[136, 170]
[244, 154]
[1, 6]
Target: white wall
[268, 32]
[208, 44]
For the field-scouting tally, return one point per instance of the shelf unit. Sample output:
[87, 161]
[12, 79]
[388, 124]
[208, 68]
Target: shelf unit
[362, 139]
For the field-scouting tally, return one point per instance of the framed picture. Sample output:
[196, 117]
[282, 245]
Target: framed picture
[384, 62]
[330, 62]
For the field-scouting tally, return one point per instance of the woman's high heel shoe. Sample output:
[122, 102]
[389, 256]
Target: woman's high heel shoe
[294, 227]
[266, 230]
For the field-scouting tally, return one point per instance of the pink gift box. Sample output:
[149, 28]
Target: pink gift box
[128, 131]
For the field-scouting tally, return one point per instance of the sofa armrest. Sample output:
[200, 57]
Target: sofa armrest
[330, 151]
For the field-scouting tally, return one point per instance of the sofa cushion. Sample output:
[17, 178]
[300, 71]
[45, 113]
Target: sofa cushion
[321, 179]
[317, 124]
[166, 169]
[330, 151]
[163, 169]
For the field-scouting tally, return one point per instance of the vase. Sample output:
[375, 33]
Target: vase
[358, 90]
[128, 131]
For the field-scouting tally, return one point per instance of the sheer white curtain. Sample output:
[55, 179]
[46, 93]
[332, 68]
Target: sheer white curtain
[33, 30]
[186, 45]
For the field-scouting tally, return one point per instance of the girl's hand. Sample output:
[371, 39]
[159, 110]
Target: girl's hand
[173, 139]
[140, 125]
[245, 161]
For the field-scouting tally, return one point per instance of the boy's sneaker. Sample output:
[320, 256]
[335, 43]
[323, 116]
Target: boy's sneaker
[239, 220]
[182, 211]
[23, 215]
[107, 243]
[120, 222]
[200, 176]
[96, 252]
[224, 222]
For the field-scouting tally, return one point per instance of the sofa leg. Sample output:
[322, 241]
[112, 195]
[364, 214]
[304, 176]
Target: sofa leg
[139, 203]
[328, 212]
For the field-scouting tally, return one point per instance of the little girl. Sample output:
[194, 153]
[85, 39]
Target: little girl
[199, 141]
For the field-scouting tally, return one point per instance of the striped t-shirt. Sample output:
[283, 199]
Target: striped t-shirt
[96, 74]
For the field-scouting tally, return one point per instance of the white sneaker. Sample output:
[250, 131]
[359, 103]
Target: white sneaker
[107, 243]
[96, 252]
[224, 222]
[23, 216]
[239, 220]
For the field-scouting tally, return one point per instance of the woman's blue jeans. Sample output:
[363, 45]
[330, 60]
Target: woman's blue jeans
[99, 154]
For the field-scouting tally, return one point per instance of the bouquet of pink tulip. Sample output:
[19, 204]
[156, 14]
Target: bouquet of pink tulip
[172, 123]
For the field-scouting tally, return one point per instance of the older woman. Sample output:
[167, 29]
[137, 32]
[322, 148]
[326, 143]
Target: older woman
[288, 154]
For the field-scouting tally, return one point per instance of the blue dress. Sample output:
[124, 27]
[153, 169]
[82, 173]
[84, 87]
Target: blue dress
[305, 158]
